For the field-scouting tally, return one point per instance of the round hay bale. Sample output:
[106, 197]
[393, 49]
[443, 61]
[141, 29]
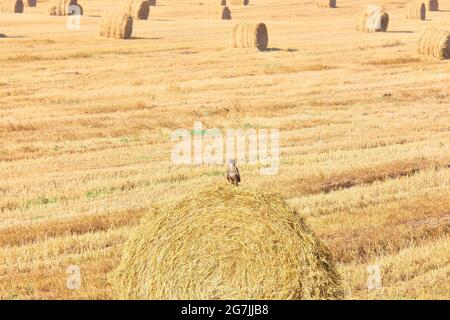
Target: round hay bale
[250, 35]
[63, 7]
[138, 9]
[326, 3]
[220, 12]
[29, 3]
[416, 10]
[116, 23]
[11, 6]
[435, 42]
[373, 19]
[240, 2]
[224, 242]
[432, 5]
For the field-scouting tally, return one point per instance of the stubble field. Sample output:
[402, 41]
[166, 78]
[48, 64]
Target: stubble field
[86, 122]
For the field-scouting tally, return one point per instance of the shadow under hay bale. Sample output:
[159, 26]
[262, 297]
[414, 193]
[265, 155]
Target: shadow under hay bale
[250, 35]
[116, 23]
[373, 19]
[435, 42]
[11, 6]
[416, 10]
[138, 9]
[326, 3]
[64, 8]
[223, 242]
[432, 5]
[30, 3]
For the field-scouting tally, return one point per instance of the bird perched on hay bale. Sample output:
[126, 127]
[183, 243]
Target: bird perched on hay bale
[373, 19]
[64, 8]
[435, 42]
[432, 5]
[116, 23]
[233, 175]
[138, 9]
[11, 6]
[326, 3]
[416, 9]
[250, 35]
[222, 242]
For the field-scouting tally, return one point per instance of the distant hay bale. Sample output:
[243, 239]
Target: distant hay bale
[373, 19]
[63, 7]
[250, 35]
[240, 2]
[416, 9]
[138, 9]
[224, 242]
[432, 5]
[29, 3]
[116, 23]
[326, 3]
[219, 12]
[435, 42]
[11, 6]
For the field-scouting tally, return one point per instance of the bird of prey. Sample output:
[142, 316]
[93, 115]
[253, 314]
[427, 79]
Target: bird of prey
[233, 175]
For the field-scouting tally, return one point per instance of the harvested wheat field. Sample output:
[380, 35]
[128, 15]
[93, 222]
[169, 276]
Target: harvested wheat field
[86, 125]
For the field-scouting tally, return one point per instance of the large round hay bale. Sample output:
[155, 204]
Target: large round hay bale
[116, 23]
[138, 9]
[432, 5]
[250, 35]
[435, 42]
[11, 6]
[326, 3]
[373, 19]
[416, 9]
[63, 7]
[224, 242]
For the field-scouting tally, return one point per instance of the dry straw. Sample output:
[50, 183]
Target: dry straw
[63, 7]
[224, 242]
[432, 5]
[240, 2]
[435, 42]
[373, 19]
[11, 6]
[250, 35]
[326, 3]
[416, 10]
[116, 23]
[138, 9]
